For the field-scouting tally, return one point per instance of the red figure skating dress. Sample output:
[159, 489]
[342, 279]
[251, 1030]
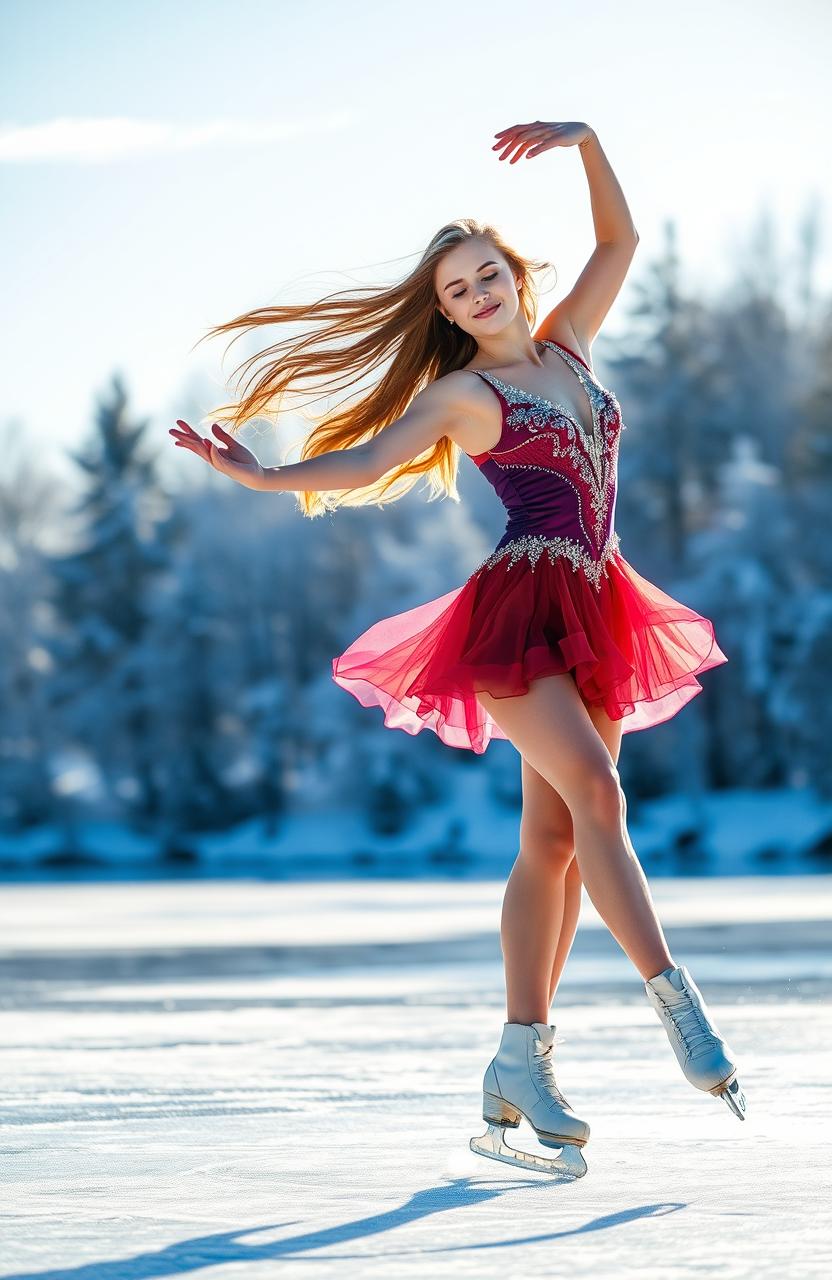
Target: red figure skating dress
[555, 594]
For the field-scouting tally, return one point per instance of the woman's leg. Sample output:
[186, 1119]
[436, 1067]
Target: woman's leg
[610, 731]
[542, 901]
[538, 912]
[571, 911]
[552, 729]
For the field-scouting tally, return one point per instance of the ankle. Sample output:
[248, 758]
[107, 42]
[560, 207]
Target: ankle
[653, 972]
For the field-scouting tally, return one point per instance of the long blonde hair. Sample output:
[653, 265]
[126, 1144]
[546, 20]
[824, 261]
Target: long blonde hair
[401, 319]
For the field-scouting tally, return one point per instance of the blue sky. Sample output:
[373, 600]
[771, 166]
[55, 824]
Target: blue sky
[165, 166]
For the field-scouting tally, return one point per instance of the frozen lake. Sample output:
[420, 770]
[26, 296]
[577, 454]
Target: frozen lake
[280, 1079]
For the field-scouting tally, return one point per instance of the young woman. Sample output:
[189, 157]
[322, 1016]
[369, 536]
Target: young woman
[554, 642]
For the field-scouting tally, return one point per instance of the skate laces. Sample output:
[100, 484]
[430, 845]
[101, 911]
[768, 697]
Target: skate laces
[690, 1022]
[546, 1070]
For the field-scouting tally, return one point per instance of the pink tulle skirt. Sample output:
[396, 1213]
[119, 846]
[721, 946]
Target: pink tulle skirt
[631, 648]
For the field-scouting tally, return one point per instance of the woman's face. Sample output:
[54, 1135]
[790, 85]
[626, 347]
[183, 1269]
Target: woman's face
[476, 288]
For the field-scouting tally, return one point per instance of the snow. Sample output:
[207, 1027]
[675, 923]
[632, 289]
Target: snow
[472, 832]
[242, 1078]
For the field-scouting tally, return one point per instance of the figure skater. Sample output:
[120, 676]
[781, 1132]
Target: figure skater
[554, 642]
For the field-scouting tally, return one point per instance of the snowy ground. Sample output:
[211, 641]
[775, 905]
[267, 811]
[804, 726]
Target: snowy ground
[242, 1079]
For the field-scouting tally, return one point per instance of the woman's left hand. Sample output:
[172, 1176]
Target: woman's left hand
[532, 139]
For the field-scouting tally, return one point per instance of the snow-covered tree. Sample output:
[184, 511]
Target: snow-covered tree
[100, 595]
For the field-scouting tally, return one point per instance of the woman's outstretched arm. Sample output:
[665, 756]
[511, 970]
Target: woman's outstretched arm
[433, 413]
[338, 469]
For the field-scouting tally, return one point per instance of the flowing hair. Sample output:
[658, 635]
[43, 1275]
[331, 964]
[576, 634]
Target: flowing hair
[401, 320]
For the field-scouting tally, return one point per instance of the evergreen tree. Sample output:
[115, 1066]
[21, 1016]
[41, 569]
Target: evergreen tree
[29, 741]
[100, 594]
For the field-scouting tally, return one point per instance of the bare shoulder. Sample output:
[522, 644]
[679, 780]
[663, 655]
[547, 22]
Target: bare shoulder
[448, 407]
[455, 390]
[557, 327]
[473, 413]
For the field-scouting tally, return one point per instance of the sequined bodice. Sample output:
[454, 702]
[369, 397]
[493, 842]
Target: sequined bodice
[556, 480]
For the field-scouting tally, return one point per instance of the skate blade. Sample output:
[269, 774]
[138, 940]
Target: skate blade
[566, 1167]
[731, 1092]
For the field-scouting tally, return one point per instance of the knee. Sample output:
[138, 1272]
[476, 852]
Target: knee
[551, 847]
[602, 800]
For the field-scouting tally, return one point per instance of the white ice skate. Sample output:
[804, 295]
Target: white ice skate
[520, 1081]
[702, 1053]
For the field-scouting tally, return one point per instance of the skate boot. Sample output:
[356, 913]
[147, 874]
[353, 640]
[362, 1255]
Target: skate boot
[702, 1053]
[520, 1081]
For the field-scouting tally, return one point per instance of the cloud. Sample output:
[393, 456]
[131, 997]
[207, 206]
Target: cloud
[98, 140]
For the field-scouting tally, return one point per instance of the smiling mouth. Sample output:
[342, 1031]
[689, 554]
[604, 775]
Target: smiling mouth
[488, 311]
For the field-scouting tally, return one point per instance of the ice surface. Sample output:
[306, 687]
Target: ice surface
[260, 1080]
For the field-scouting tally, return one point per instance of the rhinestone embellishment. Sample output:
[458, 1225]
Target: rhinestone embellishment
[587, 463]
[534, 545]
[591, 456]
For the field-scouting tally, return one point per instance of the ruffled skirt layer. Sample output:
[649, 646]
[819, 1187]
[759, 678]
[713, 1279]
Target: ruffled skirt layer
[630, 647]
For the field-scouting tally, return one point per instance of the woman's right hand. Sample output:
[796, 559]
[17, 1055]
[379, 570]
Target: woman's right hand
[235, 461]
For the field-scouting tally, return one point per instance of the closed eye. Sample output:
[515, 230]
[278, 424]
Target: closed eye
[484, 280]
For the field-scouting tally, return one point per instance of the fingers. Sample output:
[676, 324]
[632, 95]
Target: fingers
[520, 128]
[187, 438]
[213, 455]
[518, 141]
[520, 138]
[187, 431]
[199, 448]
[516, 128]
[233, 449]
[207, 449]
[184, 437]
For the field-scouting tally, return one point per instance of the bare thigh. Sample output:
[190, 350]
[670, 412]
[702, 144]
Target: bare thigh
[546, 822]
[550, 726]
[562, 742]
